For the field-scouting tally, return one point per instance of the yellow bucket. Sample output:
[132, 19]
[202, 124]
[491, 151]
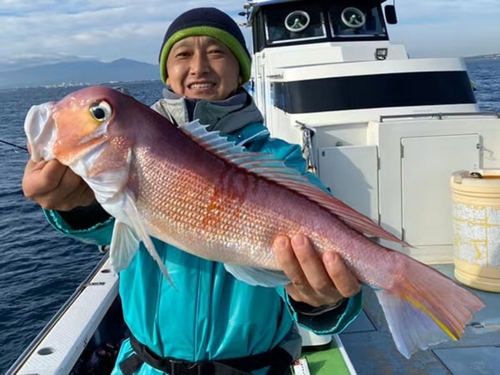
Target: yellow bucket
[476, 227]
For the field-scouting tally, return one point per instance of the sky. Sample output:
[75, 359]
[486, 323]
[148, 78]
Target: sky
[110, 29]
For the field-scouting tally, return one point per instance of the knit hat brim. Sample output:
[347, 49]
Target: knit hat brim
[230, 41]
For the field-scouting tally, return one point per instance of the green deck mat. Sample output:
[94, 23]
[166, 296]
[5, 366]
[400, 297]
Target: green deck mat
[326, 362]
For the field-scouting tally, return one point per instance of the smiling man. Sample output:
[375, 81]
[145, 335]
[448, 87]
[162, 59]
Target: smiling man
[214, 322]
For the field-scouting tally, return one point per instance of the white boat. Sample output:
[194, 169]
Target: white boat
[384, 132]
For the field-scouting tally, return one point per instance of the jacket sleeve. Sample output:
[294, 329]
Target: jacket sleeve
[96, 233]
[333, 321]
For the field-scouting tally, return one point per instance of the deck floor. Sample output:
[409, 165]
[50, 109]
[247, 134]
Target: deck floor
[326, 362]
[370, 347]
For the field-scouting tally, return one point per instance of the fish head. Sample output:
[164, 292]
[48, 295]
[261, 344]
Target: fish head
[86, 132]
[77, 125]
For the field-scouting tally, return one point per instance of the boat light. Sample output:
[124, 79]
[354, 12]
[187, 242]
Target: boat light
[381, 53]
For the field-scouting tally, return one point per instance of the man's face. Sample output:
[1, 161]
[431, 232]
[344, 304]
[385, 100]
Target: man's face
[201, 67]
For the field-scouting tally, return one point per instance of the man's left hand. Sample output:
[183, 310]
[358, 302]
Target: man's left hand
[316, 279]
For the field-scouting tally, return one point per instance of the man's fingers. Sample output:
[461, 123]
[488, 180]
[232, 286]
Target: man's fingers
[55, 186]
[345, 282]
[71, 192]
[288, 261]
[313, 267]
[52, 174]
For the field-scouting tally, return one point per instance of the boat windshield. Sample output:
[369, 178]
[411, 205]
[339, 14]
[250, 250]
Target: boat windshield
[359, 20]
[287, 23]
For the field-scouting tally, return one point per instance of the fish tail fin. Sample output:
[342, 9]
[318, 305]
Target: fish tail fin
[425, 307]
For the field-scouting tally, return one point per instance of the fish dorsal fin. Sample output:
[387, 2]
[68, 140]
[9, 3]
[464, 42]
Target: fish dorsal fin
[266, 165]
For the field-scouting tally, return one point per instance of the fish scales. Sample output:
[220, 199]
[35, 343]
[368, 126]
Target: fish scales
[228, 217]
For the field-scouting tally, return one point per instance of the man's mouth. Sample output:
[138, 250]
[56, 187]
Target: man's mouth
[201, 85]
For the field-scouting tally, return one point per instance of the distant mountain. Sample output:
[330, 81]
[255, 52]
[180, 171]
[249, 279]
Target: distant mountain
[21, 62]
[77, 72]
[494, 56]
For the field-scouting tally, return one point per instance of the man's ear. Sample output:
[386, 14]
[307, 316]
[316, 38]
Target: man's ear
[240, 80]
[167, 82]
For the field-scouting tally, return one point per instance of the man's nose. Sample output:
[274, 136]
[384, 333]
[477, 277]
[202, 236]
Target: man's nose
[200, 64]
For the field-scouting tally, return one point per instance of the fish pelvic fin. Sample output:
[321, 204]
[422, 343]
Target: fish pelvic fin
[142, 235]
[267, 166]
[425, 307]
[124, 245]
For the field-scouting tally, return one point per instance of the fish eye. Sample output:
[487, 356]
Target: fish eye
[101, 111]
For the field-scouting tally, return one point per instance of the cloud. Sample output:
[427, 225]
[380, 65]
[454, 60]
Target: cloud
[105, 30]
[442, 9]
[112, 29]
[442, 28]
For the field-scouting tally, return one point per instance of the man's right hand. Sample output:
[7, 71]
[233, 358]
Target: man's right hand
[55, 187]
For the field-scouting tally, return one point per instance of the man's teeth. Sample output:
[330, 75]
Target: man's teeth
[201, 85]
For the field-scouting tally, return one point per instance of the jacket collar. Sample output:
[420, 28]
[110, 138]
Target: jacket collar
[225, 116]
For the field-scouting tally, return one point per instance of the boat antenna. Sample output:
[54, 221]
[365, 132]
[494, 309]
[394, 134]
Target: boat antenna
[13, 145]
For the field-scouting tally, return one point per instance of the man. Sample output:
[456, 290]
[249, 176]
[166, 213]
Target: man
[214, 323]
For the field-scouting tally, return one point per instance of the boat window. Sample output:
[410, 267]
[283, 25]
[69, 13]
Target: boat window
[358, 20]
[292, 22]
[373, 91]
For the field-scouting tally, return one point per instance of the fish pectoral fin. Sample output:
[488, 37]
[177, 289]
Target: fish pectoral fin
[257, 276]
[411, 328]
[124, 245]
[143, 235]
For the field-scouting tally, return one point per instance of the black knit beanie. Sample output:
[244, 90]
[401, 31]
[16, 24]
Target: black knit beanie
[207, 22]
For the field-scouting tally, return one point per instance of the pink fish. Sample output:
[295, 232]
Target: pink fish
[196, 190]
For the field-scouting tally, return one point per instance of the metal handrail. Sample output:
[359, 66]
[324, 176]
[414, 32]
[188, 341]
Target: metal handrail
[439, 115]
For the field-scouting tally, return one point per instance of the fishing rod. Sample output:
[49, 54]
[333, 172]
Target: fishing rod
[14, 145]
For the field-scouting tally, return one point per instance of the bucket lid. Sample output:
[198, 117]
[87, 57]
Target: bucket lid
[479, 177]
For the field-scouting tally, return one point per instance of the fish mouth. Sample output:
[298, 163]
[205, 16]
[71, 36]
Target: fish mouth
[40, 130]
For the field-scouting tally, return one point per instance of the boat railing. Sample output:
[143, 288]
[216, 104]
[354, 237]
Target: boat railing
[440, 116]
[58, 346]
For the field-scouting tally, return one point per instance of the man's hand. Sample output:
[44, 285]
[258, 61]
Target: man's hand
[55, 187]
[316, 280]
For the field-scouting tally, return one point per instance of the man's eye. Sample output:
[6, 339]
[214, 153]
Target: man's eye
[216, 52]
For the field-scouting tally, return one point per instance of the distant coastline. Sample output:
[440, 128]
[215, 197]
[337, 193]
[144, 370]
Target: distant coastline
[78, 73]
[82, 84]
[494, 56]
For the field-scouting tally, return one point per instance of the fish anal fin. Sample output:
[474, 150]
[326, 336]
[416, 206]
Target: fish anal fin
[257, 276]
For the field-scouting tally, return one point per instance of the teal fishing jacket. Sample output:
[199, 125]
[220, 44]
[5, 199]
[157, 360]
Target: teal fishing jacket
[210, 315]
